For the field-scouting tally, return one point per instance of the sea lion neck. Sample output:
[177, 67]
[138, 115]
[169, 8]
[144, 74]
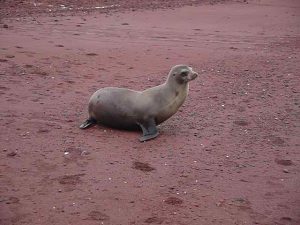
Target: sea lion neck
[172, 84]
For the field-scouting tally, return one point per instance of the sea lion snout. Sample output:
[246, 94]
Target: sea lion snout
[193, 75]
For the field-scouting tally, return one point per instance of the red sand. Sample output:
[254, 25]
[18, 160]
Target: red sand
[229, 156]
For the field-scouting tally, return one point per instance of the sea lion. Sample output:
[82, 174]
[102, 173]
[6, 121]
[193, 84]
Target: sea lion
[125, 108]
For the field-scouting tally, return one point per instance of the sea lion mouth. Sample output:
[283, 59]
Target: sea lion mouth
[193, 76]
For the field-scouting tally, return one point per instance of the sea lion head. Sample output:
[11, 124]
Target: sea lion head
[182, 74]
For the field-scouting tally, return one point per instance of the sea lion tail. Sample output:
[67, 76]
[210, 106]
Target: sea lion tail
[88, 123]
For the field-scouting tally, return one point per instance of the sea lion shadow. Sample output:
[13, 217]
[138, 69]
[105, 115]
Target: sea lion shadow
[135, 128]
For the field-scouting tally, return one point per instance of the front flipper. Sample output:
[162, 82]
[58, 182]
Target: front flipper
[89, 122]
[149, 130]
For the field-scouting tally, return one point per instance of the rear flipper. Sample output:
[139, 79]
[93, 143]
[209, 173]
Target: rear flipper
[88, 123]
[149, 130]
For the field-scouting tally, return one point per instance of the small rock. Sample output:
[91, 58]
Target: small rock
[285, 170]
[12, 200]
[241, 122]
[10, 56]
[286, 218]
[173, 201]
[91, 54]
[12, 154]
[98, 216]
[284, 162]
[43, 130]
[145, 167]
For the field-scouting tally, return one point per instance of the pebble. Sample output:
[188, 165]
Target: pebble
[10, 56]
[285, 170]
[12, 154]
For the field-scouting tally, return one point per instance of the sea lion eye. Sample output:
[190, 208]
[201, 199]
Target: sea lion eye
[184, 73]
